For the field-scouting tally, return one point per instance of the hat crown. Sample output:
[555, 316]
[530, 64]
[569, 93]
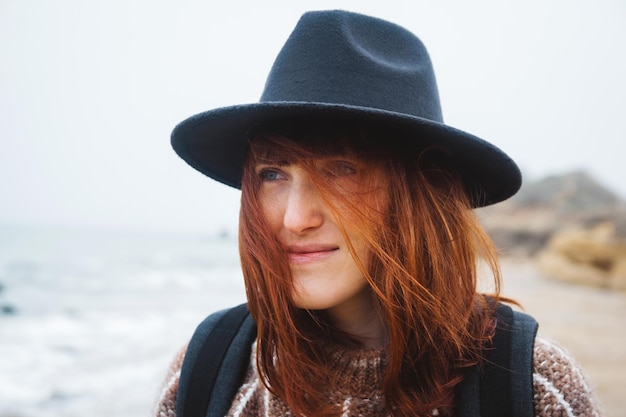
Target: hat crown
[344, 58]
[343, 66]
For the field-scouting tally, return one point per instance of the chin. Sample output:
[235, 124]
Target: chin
[308, 302]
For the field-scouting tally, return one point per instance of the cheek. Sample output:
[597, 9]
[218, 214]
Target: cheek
[381, 197]
[372, 209]
[271, 209]
[379, 203]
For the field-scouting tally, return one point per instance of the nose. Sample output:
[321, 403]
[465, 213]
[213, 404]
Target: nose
[304, 210]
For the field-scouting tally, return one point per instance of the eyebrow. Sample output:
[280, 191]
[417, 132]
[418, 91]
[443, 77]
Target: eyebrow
[272, 161]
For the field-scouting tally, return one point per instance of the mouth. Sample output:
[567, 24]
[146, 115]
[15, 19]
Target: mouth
[301, 254]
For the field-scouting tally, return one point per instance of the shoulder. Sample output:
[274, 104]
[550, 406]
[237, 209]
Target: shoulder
[232, 330]
[166, 404]
[204, 329]
[560, 388]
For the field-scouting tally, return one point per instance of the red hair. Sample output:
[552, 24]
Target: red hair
[425, 247]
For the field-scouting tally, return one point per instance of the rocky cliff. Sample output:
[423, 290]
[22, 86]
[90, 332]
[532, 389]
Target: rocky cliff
[571, 224]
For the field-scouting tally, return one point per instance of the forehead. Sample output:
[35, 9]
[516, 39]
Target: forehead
[284, 150]
[293, 145]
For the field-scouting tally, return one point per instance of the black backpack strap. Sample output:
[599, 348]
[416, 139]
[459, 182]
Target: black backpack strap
[502, 386]
[496, 398]
[522, 349]
[219, 349]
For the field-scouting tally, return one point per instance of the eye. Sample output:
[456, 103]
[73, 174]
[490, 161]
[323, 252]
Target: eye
[341, 168]
[270, 174]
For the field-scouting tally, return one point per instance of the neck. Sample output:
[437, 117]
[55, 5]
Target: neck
[360, 320]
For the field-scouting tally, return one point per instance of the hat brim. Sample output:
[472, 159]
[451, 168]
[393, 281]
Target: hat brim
[215, 143]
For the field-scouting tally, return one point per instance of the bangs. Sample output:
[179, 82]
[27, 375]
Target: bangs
[301, 140]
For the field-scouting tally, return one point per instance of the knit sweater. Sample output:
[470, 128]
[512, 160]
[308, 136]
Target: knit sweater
[560, 389]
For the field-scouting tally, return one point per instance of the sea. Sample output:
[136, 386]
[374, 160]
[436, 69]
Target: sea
[90, 319]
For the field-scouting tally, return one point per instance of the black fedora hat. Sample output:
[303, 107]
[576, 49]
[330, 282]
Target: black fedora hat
[348, 66]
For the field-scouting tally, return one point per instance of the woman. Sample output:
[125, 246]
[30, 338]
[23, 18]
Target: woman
[358, 243]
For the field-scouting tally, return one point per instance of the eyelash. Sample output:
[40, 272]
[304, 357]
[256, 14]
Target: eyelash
[265, 173]
[333, 169]
[341, 168]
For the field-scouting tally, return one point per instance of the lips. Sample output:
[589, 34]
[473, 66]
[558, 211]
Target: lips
[300, 254]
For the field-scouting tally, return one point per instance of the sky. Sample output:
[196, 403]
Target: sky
[90, 91]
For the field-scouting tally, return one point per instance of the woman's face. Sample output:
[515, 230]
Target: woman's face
[325, 273]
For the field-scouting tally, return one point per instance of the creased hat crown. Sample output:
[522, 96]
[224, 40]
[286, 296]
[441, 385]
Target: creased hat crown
[352, 59]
